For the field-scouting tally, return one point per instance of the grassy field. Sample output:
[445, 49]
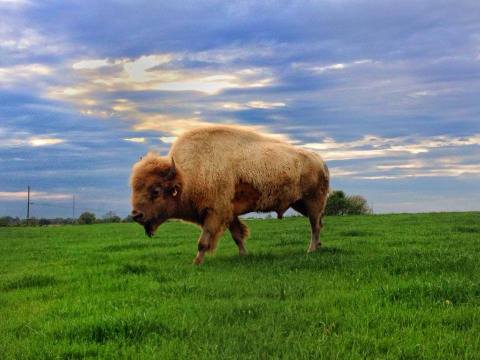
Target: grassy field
[384, 286]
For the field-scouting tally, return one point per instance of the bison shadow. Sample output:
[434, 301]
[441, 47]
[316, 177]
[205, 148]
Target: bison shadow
[296, 258]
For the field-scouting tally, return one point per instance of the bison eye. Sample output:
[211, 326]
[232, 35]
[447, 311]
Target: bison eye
[155, 192]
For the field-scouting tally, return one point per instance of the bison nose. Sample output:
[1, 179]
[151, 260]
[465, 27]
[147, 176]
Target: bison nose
[137, 215]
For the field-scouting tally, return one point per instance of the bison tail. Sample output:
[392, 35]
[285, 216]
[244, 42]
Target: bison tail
[326, 178]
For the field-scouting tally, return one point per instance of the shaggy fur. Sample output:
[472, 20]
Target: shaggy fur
[213, 174]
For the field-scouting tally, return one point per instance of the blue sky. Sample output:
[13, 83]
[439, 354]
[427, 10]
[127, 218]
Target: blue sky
[386, 91]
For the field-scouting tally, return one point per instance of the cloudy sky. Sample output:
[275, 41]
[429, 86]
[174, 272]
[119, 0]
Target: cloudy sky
[388, 92]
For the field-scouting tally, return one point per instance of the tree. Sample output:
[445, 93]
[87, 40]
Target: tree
[128, 219]
[111, 217]
[87, 218]
[336, 204]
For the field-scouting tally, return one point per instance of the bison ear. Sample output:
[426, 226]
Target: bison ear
[171, 172]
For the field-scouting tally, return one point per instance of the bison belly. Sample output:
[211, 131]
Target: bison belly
[245, 199]
[271, 197]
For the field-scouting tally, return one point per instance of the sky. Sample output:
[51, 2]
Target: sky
[386, 91]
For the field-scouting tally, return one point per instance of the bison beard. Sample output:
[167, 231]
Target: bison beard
[151, 225]
[148, 229]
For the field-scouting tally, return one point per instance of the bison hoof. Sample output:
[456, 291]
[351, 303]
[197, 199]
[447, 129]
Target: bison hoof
[198, 260]
[313, 247]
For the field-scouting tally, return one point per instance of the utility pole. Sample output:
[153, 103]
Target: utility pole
[73, 207]
[28, 204]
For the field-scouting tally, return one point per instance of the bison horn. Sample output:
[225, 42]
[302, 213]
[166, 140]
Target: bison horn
[172, 172]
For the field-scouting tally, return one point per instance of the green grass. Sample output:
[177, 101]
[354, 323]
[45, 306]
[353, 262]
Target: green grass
[387, 286]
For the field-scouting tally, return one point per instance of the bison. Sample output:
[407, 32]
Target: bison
[214, 174]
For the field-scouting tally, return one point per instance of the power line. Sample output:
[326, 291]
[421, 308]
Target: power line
[73, 206]
[51, 205]
[86, 208]
[28, 203]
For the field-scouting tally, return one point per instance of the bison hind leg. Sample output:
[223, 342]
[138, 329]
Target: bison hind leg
[313, 209]
[239, 233]
[316, 225]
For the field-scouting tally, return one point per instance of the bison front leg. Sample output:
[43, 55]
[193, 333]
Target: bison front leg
[212, 229]
[239, 233]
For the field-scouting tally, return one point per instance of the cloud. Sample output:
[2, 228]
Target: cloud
[14, 42]
[94, 79]
[168, 139]
[93, 64]
[135, 139]
[258, 104]
[438, 171]
[371, 146]
[43, 141]
[414, 165]
[167, 124]
[432, 170]
[14, 2]
[156, 72]
[151, 74]
[388, 159]
[254, 104]
[22, 139]
[439, 163]
[22, 43]
[37, 195]
[20, 73]
[320, 69]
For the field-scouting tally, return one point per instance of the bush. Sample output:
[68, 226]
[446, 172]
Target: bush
[87, 218]
[9, 221]
[62, 221]
[44, 222]
[340, 204]
[33, 221]
[357, 205]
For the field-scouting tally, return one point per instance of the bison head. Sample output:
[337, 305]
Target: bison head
[155, 191]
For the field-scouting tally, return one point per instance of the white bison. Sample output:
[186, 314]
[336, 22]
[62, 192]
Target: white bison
[214, 174]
